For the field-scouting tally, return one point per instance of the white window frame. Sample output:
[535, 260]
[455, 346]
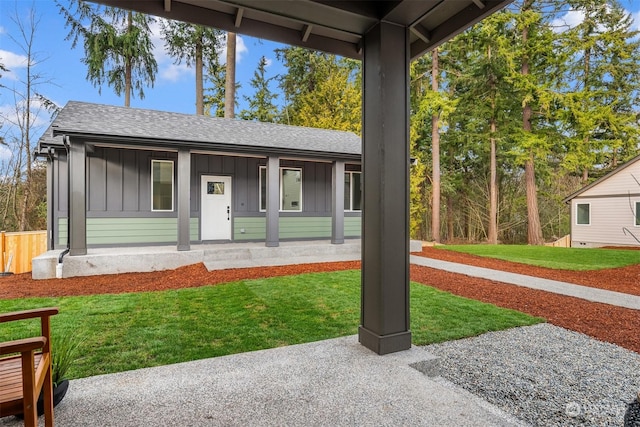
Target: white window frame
[173, 185]
[350, 189]
[280, 174]
[577, 205]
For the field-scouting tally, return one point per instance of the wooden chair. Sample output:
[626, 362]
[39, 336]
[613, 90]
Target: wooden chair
[24, 376]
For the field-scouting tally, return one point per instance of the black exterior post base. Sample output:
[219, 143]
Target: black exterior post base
[384, 344]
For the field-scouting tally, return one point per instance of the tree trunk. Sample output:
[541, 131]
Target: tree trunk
[230, 81]
[199, 84]
[534, 229]
[435, 153]
[127, 69]
[492, 238]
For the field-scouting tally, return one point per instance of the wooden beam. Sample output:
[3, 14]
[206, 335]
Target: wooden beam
[167, 5]
[239, 14]
[421, 32]
[306, 32]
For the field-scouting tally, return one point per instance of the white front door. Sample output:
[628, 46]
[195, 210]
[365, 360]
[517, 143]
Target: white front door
[215, 215]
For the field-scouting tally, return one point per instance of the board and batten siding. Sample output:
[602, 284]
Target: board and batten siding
[612, 207]
[119, 198]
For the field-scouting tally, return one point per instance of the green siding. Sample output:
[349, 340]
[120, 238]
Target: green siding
[114, 231]
[352, 226]
[305, 227]
[255, 228]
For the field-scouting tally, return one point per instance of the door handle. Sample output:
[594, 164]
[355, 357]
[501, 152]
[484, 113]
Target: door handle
[228, 213]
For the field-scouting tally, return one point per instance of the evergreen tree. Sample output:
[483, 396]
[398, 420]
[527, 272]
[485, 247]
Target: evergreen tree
[117, 46]
[261, 106]
[603, 94]
[197, 45]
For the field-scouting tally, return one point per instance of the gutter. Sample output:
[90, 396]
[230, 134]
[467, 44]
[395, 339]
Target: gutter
[65, 141]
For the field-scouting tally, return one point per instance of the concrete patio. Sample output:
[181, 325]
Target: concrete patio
[336, 382]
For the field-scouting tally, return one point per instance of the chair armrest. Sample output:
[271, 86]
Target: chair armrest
[28, 314]
[19, 346]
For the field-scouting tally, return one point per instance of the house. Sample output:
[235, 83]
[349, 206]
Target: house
[141, 177]
[607, 211]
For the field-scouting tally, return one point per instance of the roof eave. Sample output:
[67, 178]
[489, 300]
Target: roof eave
[210, 146]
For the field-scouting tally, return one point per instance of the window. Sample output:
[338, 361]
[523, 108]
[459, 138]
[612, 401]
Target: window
[290, 189]
[161, 185]
[583, 214]
[637, 213]
[352, 191]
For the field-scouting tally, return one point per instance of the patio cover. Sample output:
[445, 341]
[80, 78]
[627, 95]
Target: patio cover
[386, 35]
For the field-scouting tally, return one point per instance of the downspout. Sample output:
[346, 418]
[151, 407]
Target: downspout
[65, 141]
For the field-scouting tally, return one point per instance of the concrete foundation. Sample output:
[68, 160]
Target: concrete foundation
[215, 257]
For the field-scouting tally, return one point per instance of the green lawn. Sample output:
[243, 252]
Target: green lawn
[130, 331]
[557, 258]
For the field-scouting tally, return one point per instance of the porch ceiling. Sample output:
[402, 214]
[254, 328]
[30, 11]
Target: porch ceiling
[327, 25]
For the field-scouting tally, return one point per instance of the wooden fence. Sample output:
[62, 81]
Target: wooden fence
[563, 242]
[18, 249]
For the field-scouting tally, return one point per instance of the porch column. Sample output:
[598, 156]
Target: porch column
[384, 322]
[184, 199]
[77, 215]
[273, 202]
[337, 203]
[51, 229]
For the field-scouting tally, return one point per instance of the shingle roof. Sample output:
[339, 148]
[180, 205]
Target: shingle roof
[131, 125]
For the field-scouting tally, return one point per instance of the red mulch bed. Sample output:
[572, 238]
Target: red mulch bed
[605, 322]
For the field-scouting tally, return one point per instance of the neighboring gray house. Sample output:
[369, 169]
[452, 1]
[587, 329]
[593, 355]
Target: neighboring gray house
[142, 177]
[607, 211]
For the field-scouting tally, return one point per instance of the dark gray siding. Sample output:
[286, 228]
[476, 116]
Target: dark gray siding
[119, 184]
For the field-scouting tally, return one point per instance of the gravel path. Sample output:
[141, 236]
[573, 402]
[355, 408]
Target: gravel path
[547, 376]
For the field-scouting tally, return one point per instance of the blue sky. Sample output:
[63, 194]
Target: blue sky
[174, 87]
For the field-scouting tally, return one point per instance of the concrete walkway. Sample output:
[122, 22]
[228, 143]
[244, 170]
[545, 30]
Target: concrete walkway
[335, 382]
[578, 291]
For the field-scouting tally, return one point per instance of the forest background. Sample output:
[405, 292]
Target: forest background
[507, 119]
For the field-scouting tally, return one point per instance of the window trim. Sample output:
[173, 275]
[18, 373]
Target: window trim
[577, 216]
[637, 214]
[351, 189]
[173, 185]
[280, 174]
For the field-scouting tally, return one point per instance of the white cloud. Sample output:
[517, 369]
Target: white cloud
[269, 61]
[167, 69]
[567, 21]
[12, 60]
[174, 72]
[2, 30]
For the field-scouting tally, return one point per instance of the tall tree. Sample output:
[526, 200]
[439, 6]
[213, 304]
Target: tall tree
[196, 45]
[117, 46]
[21, 193]
[306, 69]
[535, 84]
[335, 102]
[435, 152]
[261, 106]
[604, 83]
[230, 78]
